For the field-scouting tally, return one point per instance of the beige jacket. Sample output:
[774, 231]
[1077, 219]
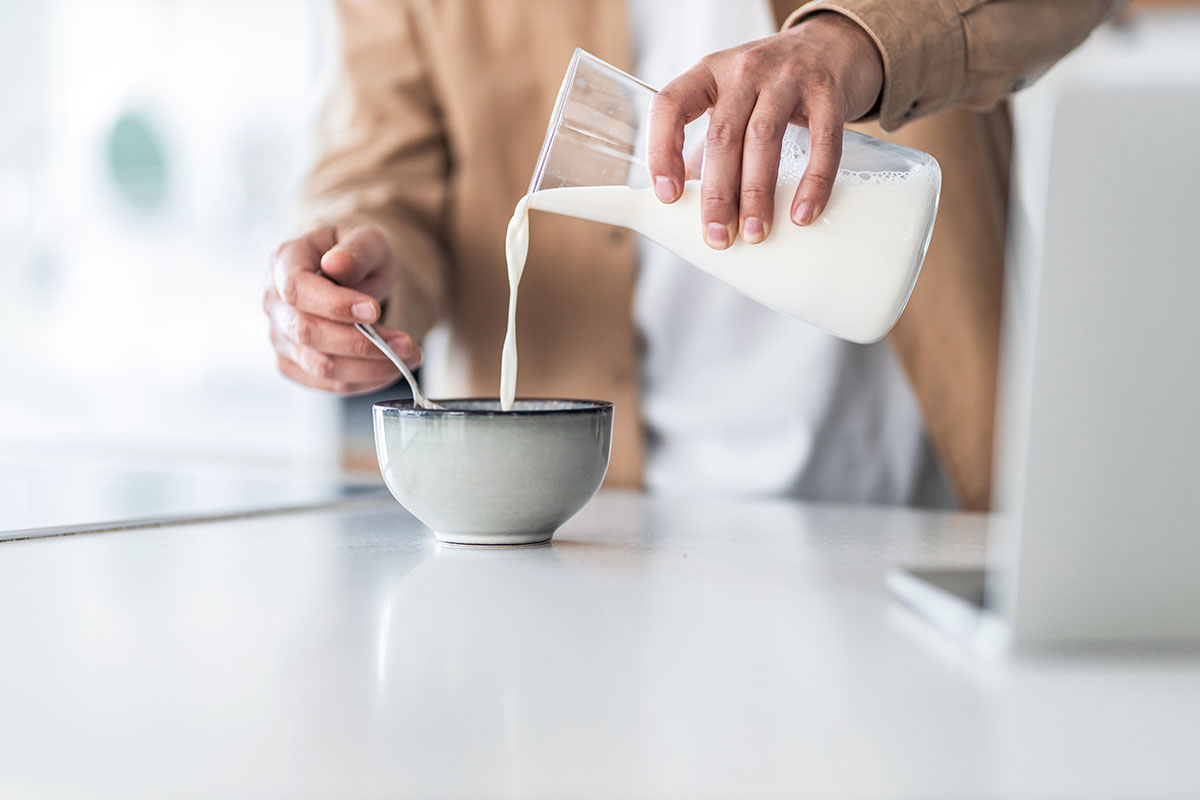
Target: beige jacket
[436, 120]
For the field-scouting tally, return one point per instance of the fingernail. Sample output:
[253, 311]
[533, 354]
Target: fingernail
[716, 235]
[752, 230]
[402, 347]
[364, 311]
[664, 189]
[804, 213]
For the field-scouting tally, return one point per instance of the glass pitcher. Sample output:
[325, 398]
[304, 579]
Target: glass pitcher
[851, 272]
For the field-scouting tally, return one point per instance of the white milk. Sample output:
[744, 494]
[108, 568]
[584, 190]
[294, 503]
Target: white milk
[516, 248]
[850, 272]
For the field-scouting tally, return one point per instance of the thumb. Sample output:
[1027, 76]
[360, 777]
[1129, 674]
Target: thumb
[358, 255]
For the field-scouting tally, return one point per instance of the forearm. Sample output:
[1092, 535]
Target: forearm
[938, 53]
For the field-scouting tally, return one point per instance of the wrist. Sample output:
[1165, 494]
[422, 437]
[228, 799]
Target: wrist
[855, 59]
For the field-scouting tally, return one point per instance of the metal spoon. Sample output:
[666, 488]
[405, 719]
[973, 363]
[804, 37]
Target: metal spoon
[419, 399]
[369, 331]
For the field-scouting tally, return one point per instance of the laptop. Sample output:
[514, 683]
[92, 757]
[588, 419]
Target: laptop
[1096, 538]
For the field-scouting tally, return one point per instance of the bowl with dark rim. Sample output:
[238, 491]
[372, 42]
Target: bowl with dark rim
[474, 474]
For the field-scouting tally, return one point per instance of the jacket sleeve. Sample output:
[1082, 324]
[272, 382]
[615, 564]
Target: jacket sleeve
[938, 53]
[383, 155]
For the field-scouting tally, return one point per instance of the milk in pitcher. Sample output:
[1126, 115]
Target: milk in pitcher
[850, 272]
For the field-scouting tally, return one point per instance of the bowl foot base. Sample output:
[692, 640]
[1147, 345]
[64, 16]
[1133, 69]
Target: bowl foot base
[494, 539]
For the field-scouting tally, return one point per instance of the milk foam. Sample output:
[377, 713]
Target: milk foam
[793, 160]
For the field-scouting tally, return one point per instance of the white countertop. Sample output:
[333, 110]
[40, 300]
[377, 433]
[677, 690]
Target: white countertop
[62, 487]
[687, 648]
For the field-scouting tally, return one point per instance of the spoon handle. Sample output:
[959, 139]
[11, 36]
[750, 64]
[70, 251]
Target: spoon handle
[377, 340]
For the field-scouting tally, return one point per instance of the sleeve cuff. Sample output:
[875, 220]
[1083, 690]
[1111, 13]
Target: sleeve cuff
[923, 48]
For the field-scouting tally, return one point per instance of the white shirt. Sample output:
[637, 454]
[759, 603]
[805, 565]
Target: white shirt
[741, 399]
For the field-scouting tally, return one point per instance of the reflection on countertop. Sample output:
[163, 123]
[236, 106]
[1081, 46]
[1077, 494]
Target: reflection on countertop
[63, 488]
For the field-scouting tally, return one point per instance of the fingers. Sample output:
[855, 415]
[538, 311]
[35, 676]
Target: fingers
[331, 369]
[335, 338]
[825, 126]
[310, 310]
[402, 344]
[741, 152]
[680, 101]
[294, 274]
[332, 356]
[760, 164]
[360, 259]
[722, 174]
[294, 372]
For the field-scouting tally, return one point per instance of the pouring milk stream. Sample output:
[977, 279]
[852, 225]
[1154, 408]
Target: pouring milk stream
[850, 272]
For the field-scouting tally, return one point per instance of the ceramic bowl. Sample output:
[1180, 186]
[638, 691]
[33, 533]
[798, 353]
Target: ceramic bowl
[474, 474]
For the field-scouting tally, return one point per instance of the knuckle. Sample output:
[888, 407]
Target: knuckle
[289, 290]
[755, 195]
[321, 366]
[716, 197]
[304, 330]
[824, 138]
[749, 62]
[666, 102]
[723, 134]
[819, 85]
[764, 128]
[362, 348]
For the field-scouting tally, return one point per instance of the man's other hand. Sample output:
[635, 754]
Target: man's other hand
[318, 286]
[820, 74]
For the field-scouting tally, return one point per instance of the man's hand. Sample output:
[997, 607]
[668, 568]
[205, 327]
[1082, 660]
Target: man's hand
[820, 73]
[312, 317]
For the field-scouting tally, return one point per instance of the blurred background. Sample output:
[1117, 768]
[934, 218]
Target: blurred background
[150, 157]
[150, 152]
